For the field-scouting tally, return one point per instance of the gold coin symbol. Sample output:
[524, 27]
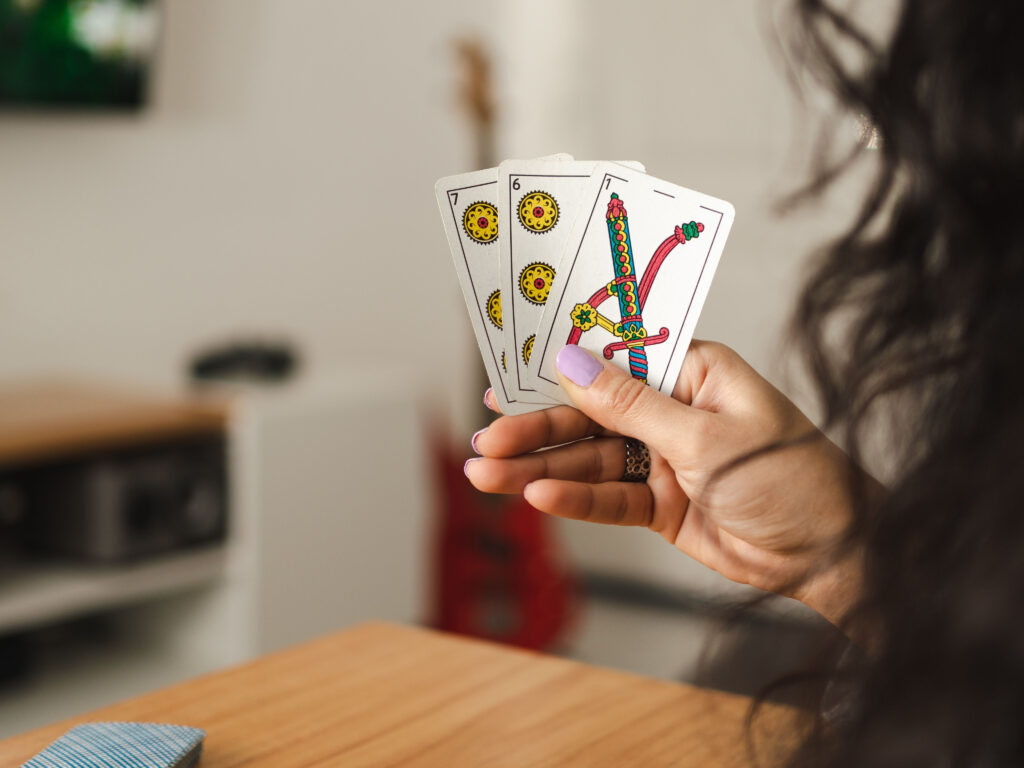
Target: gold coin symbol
[494, 307]
[535, 282]
[481, 222]
[538, 212]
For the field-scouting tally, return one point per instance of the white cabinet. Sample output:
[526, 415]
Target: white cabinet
[329, 505]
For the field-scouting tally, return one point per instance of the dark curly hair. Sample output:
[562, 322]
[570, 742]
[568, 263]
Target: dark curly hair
[912, 324]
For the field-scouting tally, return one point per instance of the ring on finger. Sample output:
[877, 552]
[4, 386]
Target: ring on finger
[638, 462]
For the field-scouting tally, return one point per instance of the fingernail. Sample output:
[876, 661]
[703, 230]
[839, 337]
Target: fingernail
[578, 365]
[472, 440]
[465, 467]
[487, 398]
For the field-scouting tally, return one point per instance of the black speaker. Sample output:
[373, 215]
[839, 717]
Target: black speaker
[128, 504]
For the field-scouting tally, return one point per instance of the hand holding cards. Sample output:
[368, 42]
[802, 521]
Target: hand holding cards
[554, 251]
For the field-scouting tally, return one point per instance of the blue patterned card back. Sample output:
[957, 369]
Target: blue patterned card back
[123, 745]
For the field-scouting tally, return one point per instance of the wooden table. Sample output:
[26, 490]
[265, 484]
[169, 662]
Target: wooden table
[384, 695]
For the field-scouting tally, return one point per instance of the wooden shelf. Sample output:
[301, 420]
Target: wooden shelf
[50, 420]
[33, 594]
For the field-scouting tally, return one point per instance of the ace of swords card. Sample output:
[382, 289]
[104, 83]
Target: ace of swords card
[468, 206]
[540, 201]
[633, 277]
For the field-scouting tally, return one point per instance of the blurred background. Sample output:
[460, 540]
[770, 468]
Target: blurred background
[237, 379]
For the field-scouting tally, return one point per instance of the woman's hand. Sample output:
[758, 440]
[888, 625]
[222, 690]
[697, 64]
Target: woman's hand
[771, 522]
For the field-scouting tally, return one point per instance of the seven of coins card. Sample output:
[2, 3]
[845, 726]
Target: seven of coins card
[558, 251]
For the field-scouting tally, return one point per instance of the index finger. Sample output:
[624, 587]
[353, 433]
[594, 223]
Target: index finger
[526, 432]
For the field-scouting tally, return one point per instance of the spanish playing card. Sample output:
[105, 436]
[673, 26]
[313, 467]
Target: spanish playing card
[468, 206]
[633, 277]
[540, 201]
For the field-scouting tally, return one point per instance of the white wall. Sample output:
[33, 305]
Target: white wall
[285, 167]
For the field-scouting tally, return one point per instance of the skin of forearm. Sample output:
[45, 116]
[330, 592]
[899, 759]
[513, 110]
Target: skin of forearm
[834, 590]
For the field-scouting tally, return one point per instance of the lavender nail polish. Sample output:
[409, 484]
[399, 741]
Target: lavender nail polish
[465, 466]
[578, 365]
[487, 404]
[472, 440]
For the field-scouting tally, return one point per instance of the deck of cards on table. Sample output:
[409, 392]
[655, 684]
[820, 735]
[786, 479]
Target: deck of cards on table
[557, 251]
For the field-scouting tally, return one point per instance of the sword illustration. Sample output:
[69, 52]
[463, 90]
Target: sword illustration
[632, 294]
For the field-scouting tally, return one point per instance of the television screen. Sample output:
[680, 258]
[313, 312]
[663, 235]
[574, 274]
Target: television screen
[76, 53]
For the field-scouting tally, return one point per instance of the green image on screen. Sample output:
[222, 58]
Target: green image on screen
[76, 53]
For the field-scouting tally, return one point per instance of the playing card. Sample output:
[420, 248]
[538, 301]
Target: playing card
[540, 201]
[633, 277]
[123, 745]
[468, 206]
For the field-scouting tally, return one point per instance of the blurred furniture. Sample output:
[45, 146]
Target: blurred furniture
[381, 694]
[327, 526]
[103, 476]
[53, 419]
[97, 474]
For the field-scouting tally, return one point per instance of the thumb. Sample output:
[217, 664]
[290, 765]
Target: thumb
[617, 401]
